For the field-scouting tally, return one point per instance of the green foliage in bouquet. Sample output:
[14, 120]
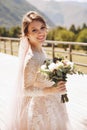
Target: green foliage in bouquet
[57, 70]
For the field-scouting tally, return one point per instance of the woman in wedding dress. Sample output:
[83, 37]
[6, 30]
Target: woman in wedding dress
[37, 104]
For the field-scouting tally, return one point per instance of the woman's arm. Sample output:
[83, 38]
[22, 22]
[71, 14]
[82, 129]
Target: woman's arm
[32, 88]
[60, 88]
[33, 92]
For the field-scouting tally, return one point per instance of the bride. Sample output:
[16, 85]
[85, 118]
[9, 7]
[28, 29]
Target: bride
[37, 103]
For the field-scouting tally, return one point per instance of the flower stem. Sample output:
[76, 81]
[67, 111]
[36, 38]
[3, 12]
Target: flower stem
[64, 98]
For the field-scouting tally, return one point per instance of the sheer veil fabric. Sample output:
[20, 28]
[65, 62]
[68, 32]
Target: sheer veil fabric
[18, 93]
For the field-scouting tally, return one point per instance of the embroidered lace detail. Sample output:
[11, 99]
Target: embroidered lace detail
[39, 111]
[34, 82]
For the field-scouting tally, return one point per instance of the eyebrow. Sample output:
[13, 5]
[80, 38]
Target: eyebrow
[41, 25]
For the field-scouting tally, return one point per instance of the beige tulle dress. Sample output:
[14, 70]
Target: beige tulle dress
[35, 110]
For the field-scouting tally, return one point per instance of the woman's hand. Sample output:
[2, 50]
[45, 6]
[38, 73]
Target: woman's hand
[60, 88]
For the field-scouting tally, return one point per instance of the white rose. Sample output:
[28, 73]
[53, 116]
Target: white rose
[43, 67]
[69, 63]
[52, 66]
[59, 64]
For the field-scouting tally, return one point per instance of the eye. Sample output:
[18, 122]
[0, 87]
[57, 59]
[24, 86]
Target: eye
[43, 27]
[34, 30]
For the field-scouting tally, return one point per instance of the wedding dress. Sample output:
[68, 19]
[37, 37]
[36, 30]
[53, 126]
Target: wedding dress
[33, 109]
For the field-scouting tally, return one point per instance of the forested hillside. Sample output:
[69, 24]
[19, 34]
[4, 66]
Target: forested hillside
[11, 12]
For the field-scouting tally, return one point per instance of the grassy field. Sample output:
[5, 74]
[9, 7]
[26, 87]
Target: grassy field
[75, 58]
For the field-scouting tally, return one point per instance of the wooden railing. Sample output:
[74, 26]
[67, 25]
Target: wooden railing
[11, 45]
[69, 50]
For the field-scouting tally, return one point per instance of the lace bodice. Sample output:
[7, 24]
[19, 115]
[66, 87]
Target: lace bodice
[34, 81]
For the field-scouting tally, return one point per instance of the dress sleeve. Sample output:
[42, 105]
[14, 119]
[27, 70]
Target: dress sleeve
[29, 68]
[32, 86]
[42, 81]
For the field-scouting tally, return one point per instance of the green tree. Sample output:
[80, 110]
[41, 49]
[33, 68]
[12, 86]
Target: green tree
[84, 26]
[15, 31]
[82, 37]
[64, 35]
[78, 29]
[73, 29]
[53, 32]
[51, 35]
[3, 32]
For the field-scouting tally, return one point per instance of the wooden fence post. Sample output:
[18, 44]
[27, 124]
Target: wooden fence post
[11, 47]
[4, 46]
[70, 52]
[53, 53]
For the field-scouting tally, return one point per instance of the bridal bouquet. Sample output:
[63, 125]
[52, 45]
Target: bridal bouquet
[57, 70]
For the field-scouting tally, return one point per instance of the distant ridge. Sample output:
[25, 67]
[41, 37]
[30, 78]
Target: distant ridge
[55, 13]
[12, 11]
[63, 13]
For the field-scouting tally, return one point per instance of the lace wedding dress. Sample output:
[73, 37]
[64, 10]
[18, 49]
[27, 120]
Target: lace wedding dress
[35, 110]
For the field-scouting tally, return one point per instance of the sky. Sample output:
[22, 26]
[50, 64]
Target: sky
[71, 0]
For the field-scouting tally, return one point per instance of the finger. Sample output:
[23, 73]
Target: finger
[61, 85]
[61, 88]
[61, 82]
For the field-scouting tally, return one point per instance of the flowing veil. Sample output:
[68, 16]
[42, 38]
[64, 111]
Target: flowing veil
[24, 48]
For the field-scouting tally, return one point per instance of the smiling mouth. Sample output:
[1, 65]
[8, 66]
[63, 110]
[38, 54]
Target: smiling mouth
[41, 38]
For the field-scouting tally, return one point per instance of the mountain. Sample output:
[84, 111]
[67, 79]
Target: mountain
[63, 13]
[56, 13]
[12, 11]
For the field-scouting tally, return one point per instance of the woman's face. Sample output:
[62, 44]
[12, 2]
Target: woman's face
[37, 33]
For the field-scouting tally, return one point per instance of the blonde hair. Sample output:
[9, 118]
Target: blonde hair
[28, 18]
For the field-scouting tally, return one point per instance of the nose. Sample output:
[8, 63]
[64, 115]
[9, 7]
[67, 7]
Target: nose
[39, 31]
